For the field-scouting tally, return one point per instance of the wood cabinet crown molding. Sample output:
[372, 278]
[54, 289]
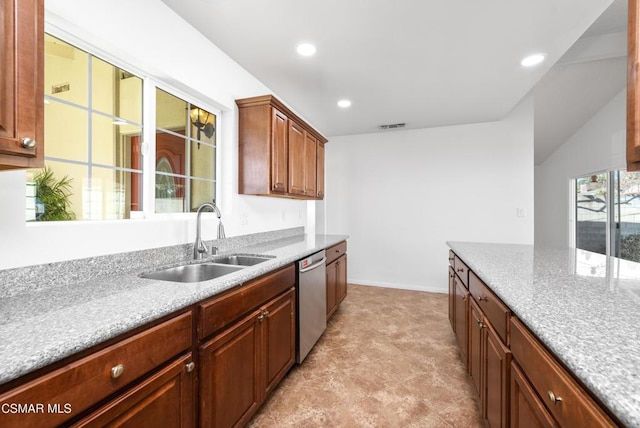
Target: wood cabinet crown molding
[266, 100]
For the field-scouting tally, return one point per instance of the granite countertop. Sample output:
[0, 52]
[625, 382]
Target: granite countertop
[585, 307]
[49, 312]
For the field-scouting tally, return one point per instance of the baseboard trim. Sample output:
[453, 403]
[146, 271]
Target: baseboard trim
[441, 290]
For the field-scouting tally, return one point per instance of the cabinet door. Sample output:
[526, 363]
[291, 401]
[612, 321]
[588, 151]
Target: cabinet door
[341, 279]
[332, 284]
[320, 170]
[310, 165]
[165, 399]
[22, 84]
[527, 410]
[230, 375]
[452, 299]
[279, 338]
[279, 152]
[476, 347]
[462, 305]
[497, 360]
[296, 159]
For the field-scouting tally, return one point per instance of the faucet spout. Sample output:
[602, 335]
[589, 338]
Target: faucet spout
[199, 247]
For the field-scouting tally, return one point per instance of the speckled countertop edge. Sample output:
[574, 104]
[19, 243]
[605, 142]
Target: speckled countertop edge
[44, 324]
[583, 306]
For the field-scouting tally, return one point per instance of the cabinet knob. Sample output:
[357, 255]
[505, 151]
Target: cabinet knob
[266, 314]
[190, 366]
[480, 323]
[117, 371]
[554, 398]
[261, 317]
[482, 299]
[28, 143]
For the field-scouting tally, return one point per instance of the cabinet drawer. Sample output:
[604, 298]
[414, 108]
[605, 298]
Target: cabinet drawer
[164, 399]
[220, 311]
[569, 404]
[336, 251]
[461, 270]
[495, 311]
[81, 384]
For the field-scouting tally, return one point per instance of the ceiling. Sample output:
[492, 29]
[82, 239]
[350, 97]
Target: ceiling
[423, 63]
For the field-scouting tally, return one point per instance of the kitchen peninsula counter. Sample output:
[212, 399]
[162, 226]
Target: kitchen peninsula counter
[49, 312]
[584, 307]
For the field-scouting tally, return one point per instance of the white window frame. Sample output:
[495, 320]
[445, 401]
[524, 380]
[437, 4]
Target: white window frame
[149, 85]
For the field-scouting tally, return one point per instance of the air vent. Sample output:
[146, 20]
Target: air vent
[392, 126]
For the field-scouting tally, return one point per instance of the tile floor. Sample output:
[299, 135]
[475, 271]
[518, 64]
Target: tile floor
[387, 359]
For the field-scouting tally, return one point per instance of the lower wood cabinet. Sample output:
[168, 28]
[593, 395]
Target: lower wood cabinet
[527, 410]
[244, 362]
[166, 399]
[519, 382]
[114, 373]
[561, 395]
[495, 382]
[336, 277]
[488, 366]
[210, 365]
[461, 307]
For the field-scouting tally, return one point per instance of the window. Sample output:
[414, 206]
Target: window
[608, 214]
[185, 154]
[94, 167]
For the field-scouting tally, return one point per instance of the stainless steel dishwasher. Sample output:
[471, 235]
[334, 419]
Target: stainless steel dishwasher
[312, 302]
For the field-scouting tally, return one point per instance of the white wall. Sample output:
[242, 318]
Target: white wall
[598, 145]
[158, 43]
[401, 195]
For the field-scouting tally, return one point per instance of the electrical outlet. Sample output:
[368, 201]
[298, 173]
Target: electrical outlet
[244, 219]
[521, 212]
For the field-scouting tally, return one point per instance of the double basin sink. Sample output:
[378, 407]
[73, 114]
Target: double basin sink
[205, 271]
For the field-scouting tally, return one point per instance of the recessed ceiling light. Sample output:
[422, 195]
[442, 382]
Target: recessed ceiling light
[533, 59]
[344, 103]
[306, 49]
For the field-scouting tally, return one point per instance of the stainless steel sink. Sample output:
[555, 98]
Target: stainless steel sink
[192, 273]
[241, 260]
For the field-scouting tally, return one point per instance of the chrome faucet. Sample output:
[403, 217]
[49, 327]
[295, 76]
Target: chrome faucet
[199, 247]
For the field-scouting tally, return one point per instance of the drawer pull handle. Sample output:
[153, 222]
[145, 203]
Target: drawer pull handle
[117, 371]
[460, 270]
[482, 299]
[554, 398]
[190, 366]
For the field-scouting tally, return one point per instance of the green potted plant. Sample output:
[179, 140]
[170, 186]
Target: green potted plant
[53, 195]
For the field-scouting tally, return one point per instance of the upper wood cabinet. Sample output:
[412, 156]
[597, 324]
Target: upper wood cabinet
[279, 153]
[320, 169]
[22, 84]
